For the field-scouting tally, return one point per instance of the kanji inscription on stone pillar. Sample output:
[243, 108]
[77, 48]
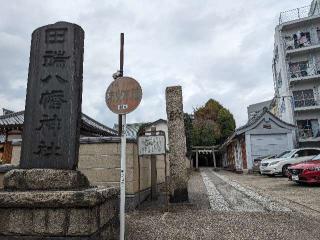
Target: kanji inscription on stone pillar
[177, 144]
[53, 105]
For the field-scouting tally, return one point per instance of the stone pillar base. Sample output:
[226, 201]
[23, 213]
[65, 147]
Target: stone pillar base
[86, 213]
[44, 179]
[179, 196]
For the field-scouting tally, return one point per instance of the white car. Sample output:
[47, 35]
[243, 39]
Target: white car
[279, 165]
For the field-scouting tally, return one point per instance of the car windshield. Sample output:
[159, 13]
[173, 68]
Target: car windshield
[284, 154]
[316, 158]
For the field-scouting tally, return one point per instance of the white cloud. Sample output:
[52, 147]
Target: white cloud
[214, 49]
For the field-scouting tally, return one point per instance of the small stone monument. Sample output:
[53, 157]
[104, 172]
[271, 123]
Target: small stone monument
[47, 198]
[177, 144]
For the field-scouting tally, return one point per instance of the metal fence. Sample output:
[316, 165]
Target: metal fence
[298, 13]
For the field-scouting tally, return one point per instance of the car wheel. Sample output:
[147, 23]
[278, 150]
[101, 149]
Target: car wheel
[285, 171]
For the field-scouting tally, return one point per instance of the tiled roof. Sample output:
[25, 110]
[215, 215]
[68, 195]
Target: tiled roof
[256, 118]
[12, 119]
[251, 122]
[95, 125]
[15, 120]
[131, 130]
[156, 122]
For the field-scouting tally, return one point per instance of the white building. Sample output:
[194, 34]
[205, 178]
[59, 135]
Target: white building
[296, 71]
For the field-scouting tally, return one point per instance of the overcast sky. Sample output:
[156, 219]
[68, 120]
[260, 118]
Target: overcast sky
[213, 49]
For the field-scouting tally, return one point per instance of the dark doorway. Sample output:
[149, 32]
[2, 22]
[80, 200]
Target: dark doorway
[205, 160]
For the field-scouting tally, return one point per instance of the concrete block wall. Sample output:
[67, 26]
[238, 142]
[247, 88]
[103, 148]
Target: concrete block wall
[100, 162]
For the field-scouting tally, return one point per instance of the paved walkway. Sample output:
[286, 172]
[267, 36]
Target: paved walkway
[226, 195]
[221, 209]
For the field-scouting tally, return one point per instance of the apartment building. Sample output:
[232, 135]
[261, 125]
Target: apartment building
[296, 72]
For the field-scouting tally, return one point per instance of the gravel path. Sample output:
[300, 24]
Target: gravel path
[239, 198]
[198, 195]
[249, 215]
[303, 199]
[205, 225]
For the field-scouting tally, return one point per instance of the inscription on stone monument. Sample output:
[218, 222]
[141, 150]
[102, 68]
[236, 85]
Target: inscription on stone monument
[53, 105]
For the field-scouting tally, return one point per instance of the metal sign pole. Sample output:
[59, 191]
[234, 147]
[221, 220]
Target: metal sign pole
[121, 75]
[122, 97]
[123, 178]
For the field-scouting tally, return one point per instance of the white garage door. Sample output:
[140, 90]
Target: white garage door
[263, 145]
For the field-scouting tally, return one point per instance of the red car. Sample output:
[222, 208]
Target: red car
[306, 172]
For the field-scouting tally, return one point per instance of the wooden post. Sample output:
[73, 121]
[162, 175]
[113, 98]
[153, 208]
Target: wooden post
[166, 180]
[207, 160]
[154, 176]
[214, 159]
[197, 159]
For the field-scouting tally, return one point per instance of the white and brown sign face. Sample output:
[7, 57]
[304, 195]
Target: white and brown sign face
[123, 95]
[152, 145]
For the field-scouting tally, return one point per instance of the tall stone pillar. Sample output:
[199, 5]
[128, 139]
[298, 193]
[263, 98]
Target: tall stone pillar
[48, 198]
[177, 145]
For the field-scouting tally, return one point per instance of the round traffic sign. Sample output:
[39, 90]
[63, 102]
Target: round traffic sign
[123, 95]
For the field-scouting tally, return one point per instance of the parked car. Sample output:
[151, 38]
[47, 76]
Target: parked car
[257, 162]
[279, 165]
[306, 172]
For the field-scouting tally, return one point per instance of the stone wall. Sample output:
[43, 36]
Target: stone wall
[84, 214]
[100, 162]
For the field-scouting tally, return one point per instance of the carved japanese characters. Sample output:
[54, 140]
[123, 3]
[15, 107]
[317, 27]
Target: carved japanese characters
[53, 105]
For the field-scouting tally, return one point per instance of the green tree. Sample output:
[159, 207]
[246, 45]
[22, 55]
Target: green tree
[226, 122]
[212, 124]
[188, 132]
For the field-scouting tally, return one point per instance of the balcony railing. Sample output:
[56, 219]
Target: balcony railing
[300, 70]
[298, 13]
[311, 102]
[306, 99]
[308, 134]
[301, 40]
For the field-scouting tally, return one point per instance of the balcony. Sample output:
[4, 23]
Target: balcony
[306, 135]
[306, 104]
[302, 41]
[308, 47]
[303, 71]
[298, 13]
[308, 130]
[305, 100]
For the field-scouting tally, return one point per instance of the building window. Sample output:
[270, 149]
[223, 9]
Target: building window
[298, 69]
[302, 39]
[298, 40]
[304, 98]
[308, 128]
